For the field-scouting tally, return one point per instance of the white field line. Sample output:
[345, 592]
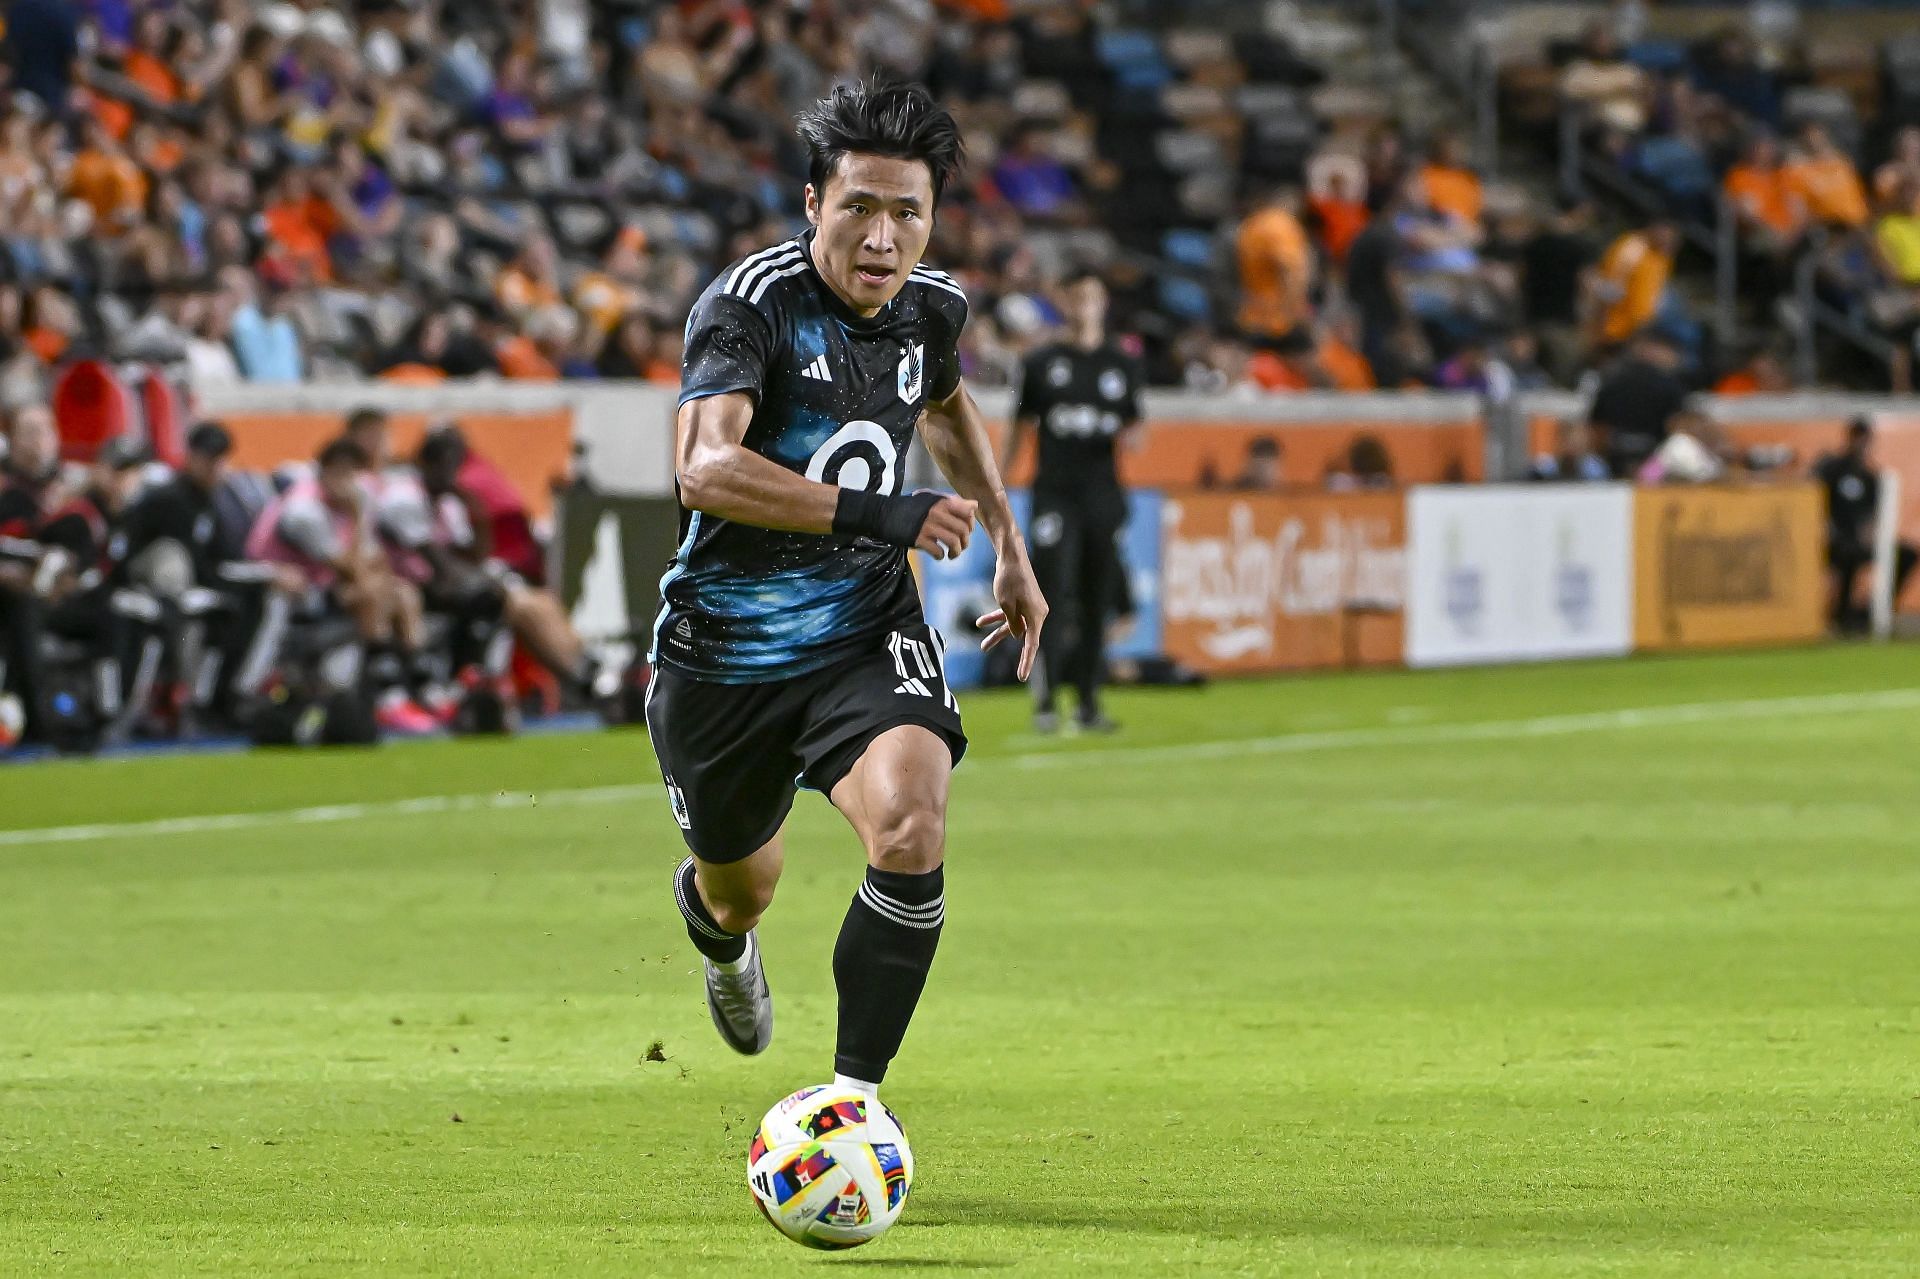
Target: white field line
[1287, 744]
[322, 814]
[1502, 730]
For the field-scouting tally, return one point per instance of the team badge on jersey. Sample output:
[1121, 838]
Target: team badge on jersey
[912, 366]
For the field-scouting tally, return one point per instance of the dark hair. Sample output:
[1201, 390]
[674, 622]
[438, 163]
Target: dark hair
[365, 416]
[1076, 274]
[442, 447]
[1264, 446]
[880, 117]
[344, 452]
[209, 439]
[1861, 428]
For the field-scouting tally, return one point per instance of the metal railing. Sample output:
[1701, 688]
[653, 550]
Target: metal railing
[1815, 316]
[1446, 37]
[1581, 171]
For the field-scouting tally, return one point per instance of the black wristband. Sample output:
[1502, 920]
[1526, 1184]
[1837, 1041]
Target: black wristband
[884, 518]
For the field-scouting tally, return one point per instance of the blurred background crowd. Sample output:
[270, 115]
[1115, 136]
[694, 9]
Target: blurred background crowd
[536, 189]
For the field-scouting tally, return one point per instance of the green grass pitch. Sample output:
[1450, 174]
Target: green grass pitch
[1471, 973]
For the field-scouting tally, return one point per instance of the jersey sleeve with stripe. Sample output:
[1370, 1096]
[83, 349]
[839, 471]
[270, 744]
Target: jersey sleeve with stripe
[946, 306]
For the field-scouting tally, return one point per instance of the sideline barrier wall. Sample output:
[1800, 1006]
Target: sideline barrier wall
[533, 448]
[1273, 582]
[1514, 572]
[1727, 566]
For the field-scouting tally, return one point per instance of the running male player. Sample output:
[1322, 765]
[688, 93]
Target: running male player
[1078, 396]
[790, 648]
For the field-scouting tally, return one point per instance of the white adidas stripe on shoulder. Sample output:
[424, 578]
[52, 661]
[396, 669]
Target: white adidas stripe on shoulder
[750, 268]
[766, 281]
[937, 280]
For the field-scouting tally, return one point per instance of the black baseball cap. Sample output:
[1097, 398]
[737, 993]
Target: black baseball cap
[209, 439]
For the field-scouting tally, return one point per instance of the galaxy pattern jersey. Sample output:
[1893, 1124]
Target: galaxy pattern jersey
[836, 398]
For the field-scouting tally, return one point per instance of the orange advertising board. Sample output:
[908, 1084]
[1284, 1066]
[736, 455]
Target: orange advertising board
[532, 448]
[1269, 582]
[1720, 566]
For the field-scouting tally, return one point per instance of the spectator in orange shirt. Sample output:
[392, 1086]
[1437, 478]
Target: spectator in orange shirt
[107, 181]
[1452, 187]
[1339, 357]
[1632, 278]
[155, 53]
[1276, 266]
[1826, 180]
[536, 354]
[604, 296]
[1339, 216]
[528, 283]
[1764, 374]
[49, 323]
[290, 224]
[1771, 212]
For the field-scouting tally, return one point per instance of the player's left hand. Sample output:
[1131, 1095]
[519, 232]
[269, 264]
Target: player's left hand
[1022, 611]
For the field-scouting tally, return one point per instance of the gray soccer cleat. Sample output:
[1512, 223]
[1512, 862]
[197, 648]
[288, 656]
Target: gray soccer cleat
[741, 1004]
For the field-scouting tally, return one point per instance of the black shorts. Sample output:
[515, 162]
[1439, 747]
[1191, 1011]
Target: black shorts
[732, 755]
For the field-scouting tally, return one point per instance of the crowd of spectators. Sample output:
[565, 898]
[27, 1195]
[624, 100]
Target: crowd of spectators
[1736, 119]
[536, 189]
[385, 593]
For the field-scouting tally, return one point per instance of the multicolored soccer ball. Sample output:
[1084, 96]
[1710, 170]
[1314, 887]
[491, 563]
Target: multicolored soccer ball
[830, 1167]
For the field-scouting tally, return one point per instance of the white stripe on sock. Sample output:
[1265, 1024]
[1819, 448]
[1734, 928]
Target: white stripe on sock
[929, 916]
[680, 896]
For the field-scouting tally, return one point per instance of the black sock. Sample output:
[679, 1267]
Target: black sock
[711, 940]
[880, 965]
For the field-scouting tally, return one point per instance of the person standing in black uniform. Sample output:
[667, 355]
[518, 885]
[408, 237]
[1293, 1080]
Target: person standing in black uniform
[1853, 503]
[1077, 396]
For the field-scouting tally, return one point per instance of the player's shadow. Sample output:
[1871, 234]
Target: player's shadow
[918, 1263]
[1172, 1218]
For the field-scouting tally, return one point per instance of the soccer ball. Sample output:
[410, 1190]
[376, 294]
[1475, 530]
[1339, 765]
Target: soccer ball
[830, 1167]
[13, 721]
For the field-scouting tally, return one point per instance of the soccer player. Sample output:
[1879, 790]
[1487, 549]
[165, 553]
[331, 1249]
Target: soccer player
[1079, 396]
[790, 647]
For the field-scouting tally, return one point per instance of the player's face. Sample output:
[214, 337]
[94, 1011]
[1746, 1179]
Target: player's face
[340, 484]
[1087, 302]
[874, 218]
[372, 438]
[206, 471]
[35, 442]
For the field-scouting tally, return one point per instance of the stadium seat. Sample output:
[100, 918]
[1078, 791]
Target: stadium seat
[1189, 151]
[1189, 247]
[1190, 49]
[161, 405]
[1186, 298]
[1662, 57]
[90, 406]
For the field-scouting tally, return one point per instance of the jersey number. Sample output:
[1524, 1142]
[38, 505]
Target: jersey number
[922, 669]
[855, 457]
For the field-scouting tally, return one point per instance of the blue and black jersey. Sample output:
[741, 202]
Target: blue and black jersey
[836, 398]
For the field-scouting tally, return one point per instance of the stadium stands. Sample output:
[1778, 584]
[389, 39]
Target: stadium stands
[206, 193]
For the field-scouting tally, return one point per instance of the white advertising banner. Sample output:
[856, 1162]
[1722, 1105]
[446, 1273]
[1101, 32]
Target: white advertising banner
[1519, 572]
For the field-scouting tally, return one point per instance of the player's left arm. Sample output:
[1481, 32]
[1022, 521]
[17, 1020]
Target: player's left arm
[1132, 412]
[956, 435]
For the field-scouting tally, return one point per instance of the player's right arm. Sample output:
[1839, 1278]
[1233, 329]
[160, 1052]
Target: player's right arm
[729, 352]
[720, 475]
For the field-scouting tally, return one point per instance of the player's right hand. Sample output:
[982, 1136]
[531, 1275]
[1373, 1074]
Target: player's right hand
[947, 528]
